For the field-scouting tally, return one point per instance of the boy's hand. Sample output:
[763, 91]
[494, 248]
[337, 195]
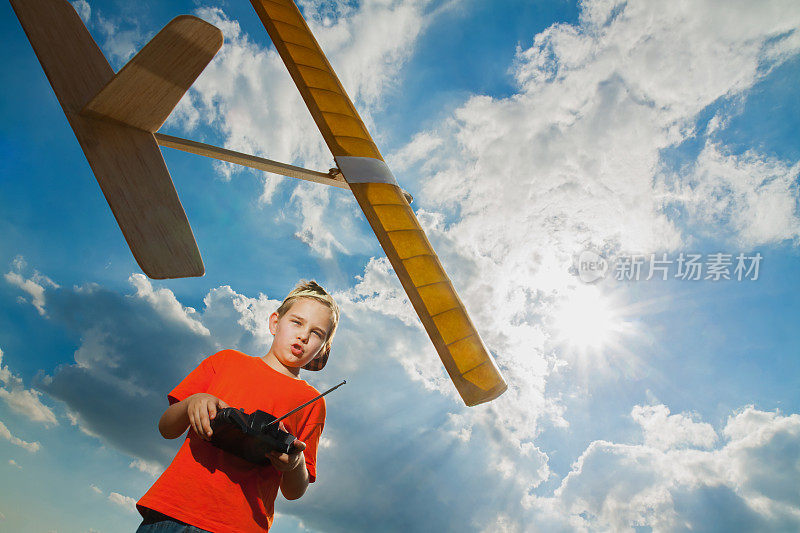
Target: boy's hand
[202, 408]
[285, 462]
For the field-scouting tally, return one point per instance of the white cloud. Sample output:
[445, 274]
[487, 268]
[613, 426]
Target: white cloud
[238, 320]
[152, 468]
[503, 523]
[122, 38]
[753, 195]
[379, 291]
[35, 286]
[24, 401]
[126, 502]
[665, 431]
[571, 158]
[763, 450]
[750, 478]
[13, 463]
[5, 433]
[164, 302]
[315, 231]
[458, 426]
[416, 151]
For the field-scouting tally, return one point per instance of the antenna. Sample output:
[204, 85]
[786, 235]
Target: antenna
[307, 403]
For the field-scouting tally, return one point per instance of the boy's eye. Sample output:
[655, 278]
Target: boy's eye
[317, 333]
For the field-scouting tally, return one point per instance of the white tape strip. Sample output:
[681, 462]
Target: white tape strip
[364, 170]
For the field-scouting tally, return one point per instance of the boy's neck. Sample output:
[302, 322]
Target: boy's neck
[276, 365]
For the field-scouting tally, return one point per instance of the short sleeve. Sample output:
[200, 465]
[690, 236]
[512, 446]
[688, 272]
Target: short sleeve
[198, 380]
[310, 435]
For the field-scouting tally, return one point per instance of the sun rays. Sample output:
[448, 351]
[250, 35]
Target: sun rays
[591, 327]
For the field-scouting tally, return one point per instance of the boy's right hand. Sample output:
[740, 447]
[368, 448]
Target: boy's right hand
[202, 408]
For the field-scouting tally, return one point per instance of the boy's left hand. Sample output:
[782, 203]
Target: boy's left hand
[285, 462]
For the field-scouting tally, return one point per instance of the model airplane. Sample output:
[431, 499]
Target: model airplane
[115, 118]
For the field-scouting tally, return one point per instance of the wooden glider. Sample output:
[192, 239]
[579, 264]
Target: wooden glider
[463, 353]
[115, 118]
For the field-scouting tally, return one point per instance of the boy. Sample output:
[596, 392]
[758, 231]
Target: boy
[208, 489]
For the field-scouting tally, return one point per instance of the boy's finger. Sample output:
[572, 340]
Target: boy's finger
[206, 425]
[298, 446]
[198, 425]
[193, 420]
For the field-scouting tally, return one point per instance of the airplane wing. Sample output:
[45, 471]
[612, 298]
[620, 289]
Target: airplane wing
[464, 355]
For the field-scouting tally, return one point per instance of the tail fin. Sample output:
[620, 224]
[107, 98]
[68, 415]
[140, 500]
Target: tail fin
[122, 152]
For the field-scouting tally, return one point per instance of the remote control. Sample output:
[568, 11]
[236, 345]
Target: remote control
[252, 436]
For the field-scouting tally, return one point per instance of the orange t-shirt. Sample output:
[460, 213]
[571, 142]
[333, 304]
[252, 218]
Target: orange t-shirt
[212, 489]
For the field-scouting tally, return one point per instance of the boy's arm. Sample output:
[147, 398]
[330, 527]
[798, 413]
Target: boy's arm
[294, 481]
[196, 411]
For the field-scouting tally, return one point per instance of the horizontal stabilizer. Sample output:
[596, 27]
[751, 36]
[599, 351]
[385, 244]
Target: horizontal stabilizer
[149, 86]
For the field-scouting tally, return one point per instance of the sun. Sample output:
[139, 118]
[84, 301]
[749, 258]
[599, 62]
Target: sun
[587, 321]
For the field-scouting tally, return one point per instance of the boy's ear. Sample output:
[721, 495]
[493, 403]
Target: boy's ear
[273, 323]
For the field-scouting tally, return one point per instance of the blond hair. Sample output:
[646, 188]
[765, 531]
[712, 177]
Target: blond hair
[311, 289]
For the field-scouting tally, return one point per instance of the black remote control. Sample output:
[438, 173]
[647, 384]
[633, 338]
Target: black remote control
[252, 436]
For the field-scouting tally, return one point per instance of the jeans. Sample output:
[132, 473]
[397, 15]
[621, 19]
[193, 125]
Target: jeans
[155, 522]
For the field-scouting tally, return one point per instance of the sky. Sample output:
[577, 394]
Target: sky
[611, 186]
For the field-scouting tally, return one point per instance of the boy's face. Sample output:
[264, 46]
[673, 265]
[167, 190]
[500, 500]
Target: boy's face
[300, 333]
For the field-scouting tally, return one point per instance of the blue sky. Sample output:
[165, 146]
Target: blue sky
[528, 132]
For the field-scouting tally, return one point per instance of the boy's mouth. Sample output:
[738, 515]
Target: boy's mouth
[297, 349]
